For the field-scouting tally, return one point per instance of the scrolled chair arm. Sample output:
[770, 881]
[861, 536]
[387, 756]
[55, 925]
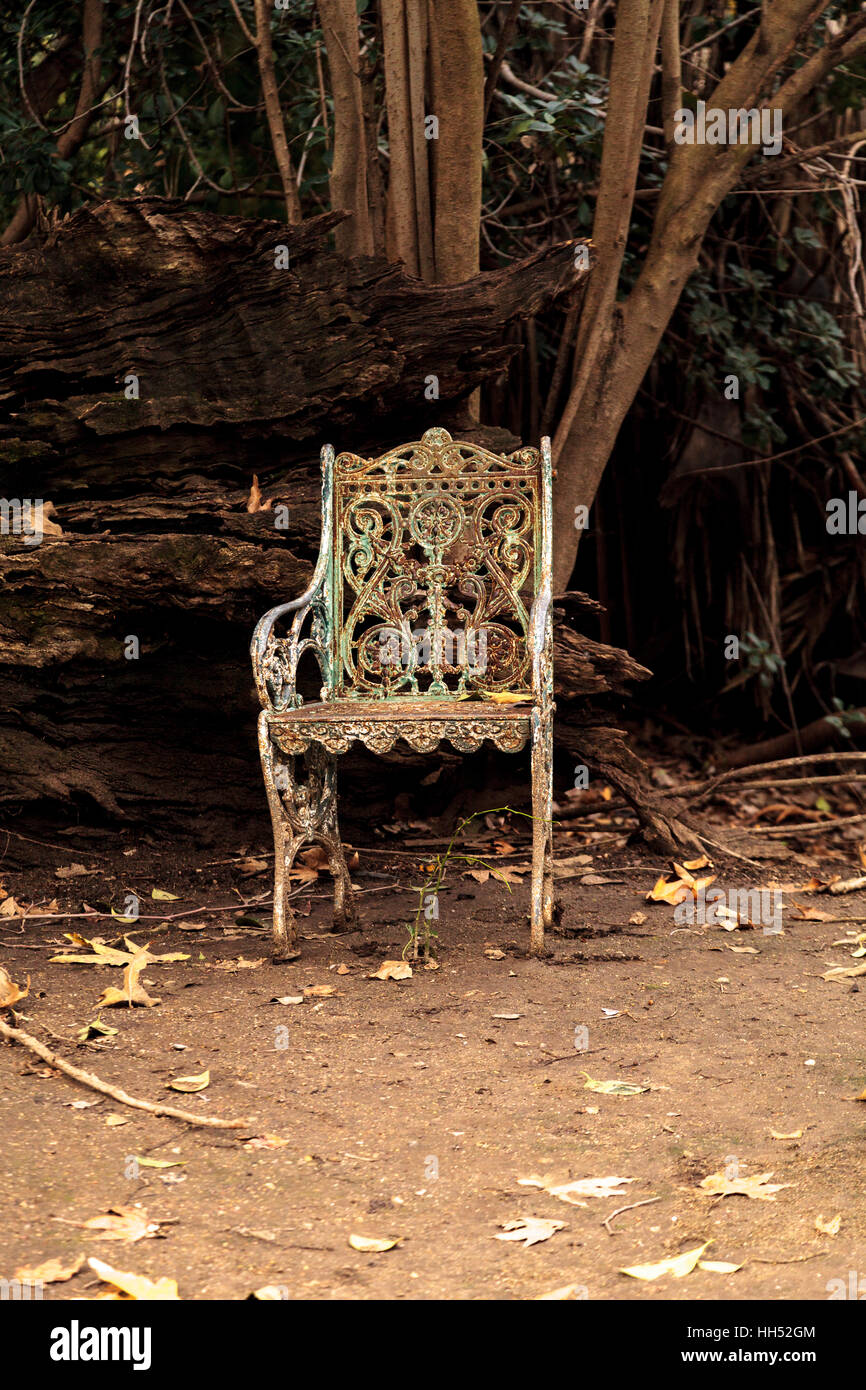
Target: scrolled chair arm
[275, 661]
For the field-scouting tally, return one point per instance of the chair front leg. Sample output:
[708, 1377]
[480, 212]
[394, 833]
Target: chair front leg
[287, 842]
[541, 914]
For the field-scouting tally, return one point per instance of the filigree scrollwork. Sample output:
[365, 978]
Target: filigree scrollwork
[432, 593]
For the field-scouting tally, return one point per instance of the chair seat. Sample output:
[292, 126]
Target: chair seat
[423, 724]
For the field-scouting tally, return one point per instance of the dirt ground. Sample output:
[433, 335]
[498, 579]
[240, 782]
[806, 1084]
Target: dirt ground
[411, 1109]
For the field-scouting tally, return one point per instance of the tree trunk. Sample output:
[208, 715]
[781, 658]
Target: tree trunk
[349, 169]
[457, 101]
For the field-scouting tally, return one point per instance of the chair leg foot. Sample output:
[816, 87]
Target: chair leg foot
[541, 914]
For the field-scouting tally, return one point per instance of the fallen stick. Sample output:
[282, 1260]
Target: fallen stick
[802, 827]
[86, 1078]
[631, 1207]
[723, 849]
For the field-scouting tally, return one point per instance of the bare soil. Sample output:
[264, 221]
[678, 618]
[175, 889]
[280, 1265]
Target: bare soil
[412, 1108]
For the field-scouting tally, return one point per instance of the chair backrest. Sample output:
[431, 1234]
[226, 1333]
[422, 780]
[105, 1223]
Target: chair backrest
[439, 548]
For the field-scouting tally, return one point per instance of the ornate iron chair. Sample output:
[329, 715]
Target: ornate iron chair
[440, 532]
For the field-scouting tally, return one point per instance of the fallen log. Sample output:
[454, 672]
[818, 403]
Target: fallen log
[153, 359]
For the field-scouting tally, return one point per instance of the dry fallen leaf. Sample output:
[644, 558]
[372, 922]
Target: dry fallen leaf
[370, 1245]
[128, 1224]
[679, 1266]
[161, 896]
[233, 966]
[637, 919]
[10, 908]
[10, 993]
[95, 1029]
[132, 992]
[529, 1230]
[50, 1272]
[613, 1088]
[73, 871]
[673, 892]
[189, 1084]
[319, 991]
[103, 954]
[506, 697]
[759, 1186]
[392, 970]
[250, 866]
[828, 1228]
[583, 1187]
[844, 972]
[569, 1293]
[795, 1134]
[135, 1286]
[506, 876]
[494, 953]
[813, 914]
[254, 501]
[264, 1141]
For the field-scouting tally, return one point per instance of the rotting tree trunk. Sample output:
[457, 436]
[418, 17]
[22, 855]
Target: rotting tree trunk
[241, 369]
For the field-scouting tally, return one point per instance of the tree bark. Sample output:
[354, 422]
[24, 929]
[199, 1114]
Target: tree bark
[349, 169]
[457, 101]
[616, 342]
[273, 110]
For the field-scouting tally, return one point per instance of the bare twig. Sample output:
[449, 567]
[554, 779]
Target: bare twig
[631, 1207]
[87, 1078]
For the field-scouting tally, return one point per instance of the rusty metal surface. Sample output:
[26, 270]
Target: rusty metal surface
[431, 596]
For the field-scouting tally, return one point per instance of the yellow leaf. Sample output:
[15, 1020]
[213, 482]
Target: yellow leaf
[161, 896]
[507, 697]
[828, 1228]
[369, 1245]
[188, 1084]
[795, 1134]
[50, 1272]
[679, 1266]
[612, 1088]
[718, 1266]
[10, 993]
[132, 992]
[673, 892]
[160, 1162]
[135, 1285]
